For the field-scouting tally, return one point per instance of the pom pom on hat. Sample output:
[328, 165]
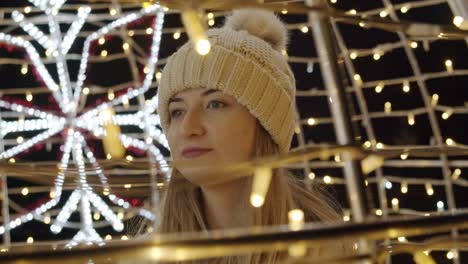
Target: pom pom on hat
[260, 23]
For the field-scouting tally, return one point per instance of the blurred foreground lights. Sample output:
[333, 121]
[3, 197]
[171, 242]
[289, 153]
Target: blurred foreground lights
[388, 185]
[451, 254]
[447, 114]
[404, 187]
[353, 55]
[379, 212]
[440, 206]
[311, 121]
[25, 191]
[176, 35]
[449, 142]
[379, 87]
[395, 204]
[86, 90]
[124, 237]
[203, 46]
[449, 65]
[256, 200]
[296, 219]
[413, 44]
[327, 179]
[460, 22]
[11, 160]
[305, 29]
[30, 240]
[129, 158]
[429, 189]
[402, 239]
[108, 237]
[435, 99]
[404, 156]
[404, 9]
[456, 174]
[311, 175]
[383, 13]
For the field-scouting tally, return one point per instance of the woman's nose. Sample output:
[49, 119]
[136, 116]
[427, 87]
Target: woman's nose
[192, 123]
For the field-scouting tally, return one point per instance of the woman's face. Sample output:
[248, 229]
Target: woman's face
[209, 127]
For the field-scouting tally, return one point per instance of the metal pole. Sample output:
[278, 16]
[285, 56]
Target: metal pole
[325, 45]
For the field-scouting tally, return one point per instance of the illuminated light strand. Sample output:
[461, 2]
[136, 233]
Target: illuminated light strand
[36, 60]
[118, 23]
[31, 29]
[75, 28]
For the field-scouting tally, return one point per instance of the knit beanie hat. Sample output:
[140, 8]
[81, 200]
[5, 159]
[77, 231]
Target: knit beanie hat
[246, 62]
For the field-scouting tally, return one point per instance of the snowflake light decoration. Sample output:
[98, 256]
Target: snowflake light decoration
[68, 95]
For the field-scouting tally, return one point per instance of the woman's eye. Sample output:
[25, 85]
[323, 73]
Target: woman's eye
[216, 104]
[175, 113]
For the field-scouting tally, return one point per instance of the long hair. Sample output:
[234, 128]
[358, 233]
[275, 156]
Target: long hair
[182, 209]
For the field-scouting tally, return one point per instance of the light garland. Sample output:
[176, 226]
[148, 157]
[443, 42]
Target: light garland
[75, 145]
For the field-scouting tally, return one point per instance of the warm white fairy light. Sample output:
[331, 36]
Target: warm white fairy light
[429, 189]
[388, 107]
[353, 55]
[456, 174]
[30, 240]
[311, 175]
[395, 204]
[101, 41]
[404, 187]
[83, 197]
[305, 29]
[411, 119]
[413, 44]
[327, 179]
[311, 121]
[449, 142]
[388, 185]
[449, 65]
[379, 145]
[404, 9]
[404, 156]
[29, 96]
[383, 13]
[296, 219]
[440, 205]
[379, 212]
[460, 22]
[406, 86]
[434, 99]
[104, 53]
[352, 12]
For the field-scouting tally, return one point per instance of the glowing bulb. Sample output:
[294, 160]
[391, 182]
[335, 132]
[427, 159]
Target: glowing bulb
[203, 46]
[406, 86]
[108, 237]
[11, 160]
[411, 120]
[24, 69]
[110, 94]
[449, 141]
[296, 219]
[311, 175]
[388, 107]
[404, 156]
[176, 35]
[256, 200]
[131, 33]
[108, 156]
[112, 11]
[413, 44]
[450, 254]
[210, 15]
[29, 96]
[353, 55]
[129, 158]
[327, 179]
[435, 99]
[383, 13]
[211, 22]
[379, 212]
[149, 31]
[158, 75]
[402, 239]
[25, 191]
[96, 215]
[30, 240]
[86, 90]
[27, 10]
[449, 65]
[357, 77]
[440, 205]
[333, 1]
[311, 121]
[105, 191]
[284, 11]
[404, 187]
[101, 41]
[124, 237]
[352, 12]
[367, 144]
[395, 204]
[404, 9]
[146, 69]
[376, 56]
[379, 145]
[447, 114]
[260, 185]
[47, 219]
[388, 185]
[305, 29]
[52, 194]
[19, 139]
[456, 174]
[458, 21]
[125, 46]
[104, 53]
[429, 190]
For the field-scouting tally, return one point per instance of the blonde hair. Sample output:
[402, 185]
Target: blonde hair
[182, 208]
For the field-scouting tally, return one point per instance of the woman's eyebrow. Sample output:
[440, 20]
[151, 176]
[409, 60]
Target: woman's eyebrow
[210, 91]
[205, 93]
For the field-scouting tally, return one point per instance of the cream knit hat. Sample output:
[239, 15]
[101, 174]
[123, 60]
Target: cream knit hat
[245, 61]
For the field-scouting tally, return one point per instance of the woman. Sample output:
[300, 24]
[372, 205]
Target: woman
[235, 104]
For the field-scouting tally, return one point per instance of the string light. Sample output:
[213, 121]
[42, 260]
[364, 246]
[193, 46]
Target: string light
[310, 67]
[176, 35]
[24, 69]
[101, 41]
[411, 120]
[305, 29]
[333, 1]
[429, 189]
[284, 11]
[27, 10]
[440, 206]
[103, 53]
[129, 158]
[19, 139]
[434, 99]
[404, 187]
[112, 11]
[352, 12]
[311, 175]
[196, 31]
[327, 179]
[25, 191]
[406, 86]
[388, 185]
[404, 156]
[110, 94]
[30, 240]
[388, 107]
[86, 90]
[125, 46]
[260, 185]
[456, 174]
[402, 239]
[29, 96]
[447, 114]
[296, 219]
[449, 142]
[383, 13]
[395, 204]
[353, 55]
[413, 44]
[131, 33]
[211, 22]
[449, 65]
[379, 212]
[11, 160]
[346, 216]
[404, 9]
[311, 121]
[367, 144]
[358, 79]
[460, 22]
[108, 237]
[379, 145]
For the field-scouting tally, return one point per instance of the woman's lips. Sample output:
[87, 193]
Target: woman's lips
[191, 153]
